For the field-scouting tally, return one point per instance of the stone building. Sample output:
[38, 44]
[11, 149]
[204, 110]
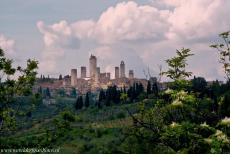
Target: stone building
[122, 69]
[108, 76]
[116, 72]
[83, 72]
[97, 76]
[73, 77]
[131, 74]
[92, 66]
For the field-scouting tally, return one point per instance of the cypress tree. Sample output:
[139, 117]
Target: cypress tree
[108, 97]
[155, 89]
[40, 90]
[80, 102]
[48, 93]
[101, 95]
[87, 100]
[149, 91]
[77, 104]
[124, 89]
[60, 77]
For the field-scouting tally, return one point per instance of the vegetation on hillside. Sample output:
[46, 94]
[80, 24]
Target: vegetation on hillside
[189, 117]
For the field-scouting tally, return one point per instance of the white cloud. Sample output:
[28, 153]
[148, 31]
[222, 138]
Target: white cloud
[127, 21]
[83, 29]
[57, 39]
[103, 52]
[194, 19]
[7, 45]
[152, 32]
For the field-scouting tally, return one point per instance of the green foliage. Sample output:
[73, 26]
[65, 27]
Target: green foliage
[79, 103]
[199, 84]
[11, 88]
[149, 88]
[101, 95]
[124, 97]
[225, 105]
[87, 100]
[47, 93]
[134, 91]
[177, 65]
[62, 92]
[152, 89]
[187, 118]
[73, 93]
[224, 52]
[178, 85]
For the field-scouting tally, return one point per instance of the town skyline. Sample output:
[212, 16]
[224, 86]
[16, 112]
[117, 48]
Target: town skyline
[61, 38]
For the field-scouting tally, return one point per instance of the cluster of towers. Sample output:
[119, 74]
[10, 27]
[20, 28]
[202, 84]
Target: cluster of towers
[95, 73]
[120, 71]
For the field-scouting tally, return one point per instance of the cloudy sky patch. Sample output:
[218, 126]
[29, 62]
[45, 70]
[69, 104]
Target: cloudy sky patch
[62, 35]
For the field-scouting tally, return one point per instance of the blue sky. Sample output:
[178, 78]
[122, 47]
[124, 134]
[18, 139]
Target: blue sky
[62, 34]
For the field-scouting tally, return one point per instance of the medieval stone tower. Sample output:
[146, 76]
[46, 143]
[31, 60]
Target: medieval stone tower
[122, 69]
[117, 72]
[73, 77]
[92, 66]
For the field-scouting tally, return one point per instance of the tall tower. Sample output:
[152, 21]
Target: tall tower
[73, 77]
[92, 66]
[108, 76]
[116, 72]
[97, 76]
[83, 72]
[122, 69]
[131, 74]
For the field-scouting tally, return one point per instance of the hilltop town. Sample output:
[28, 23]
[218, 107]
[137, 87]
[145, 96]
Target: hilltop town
[95, 80]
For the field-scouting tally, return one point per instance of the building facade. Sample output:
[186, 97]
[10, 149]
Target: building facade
[108, 76]
[116, 72]
[83, 72]
[97, 76]
[73, 77]
[122, 69]
[131, 74]
[92, 66]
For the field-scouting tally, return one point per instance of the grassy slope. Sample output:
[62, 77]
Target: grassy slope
[94, 131]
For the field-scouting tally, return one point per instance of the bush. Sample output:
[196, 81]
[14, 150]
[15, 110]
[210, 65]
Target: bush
[121, 115]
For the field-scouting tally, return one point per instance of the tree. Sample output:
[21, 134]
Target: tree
[101, 95]
[62, 92]
[60, 77]
[108, 97]
[155, 89]
[177, 65]
[224, 52]
[48, 95]
[87, 100]
[131, 93]
[124, 89]
[199, 84]
[73, 93]
[11, 88]
[79, 103]
[124, 97]
[149, 90]
[225, 105]
[40, 90]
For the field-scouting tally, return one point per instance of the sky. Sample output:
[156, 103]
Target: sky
[144, 33]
